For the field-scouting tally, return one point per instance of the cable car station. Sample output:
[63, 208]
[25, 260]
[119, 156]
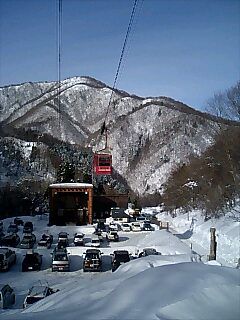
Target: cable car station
[70, 203]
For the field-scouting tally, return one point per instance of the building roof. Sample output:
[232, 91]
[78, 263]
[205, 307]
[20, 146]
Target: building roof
[71, 185]
[118, 213]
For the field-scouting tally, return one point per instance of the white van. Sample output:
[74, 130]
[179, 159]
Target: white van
[7, 296]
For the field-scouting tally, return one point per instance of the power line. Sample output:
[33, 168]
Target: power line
[121, 58]
[59, 46]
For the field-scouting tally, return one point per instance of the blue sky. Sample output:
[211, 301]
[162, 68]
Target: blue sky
[184, 49]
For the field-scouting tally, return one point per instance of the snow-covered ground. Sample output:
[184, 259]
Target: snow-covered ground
[193, 230]
[173, 285]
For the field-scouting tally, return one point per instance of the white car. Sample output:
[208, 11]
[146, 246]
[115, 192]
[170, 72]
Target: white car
[126, 227]
[95, 241]
[113, 226]
[78, 239]
[136, 226]
[112, 236]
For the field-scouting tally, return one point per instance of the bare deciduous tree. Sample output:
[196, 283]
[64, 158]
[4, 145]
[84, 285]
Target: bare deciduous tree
[226, 104]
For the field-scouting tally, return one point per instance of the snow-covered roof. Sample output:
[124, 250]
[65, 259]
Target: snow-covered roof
[71, 185]
[119, 214]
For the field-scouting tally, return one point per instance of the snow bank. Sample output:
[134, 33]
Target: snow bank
[176, 291]
[173, 285]
[193, 229]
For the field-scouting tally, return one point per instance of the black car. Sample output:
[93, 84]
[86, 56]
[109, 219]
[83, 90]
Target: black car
[119, 257]
[10, 240]
[92, 260]
[2, 235]
[28, 227]
[63, 239]
[32, 261]
[28, 241]
[46, 241]
[148, 252]
[7, 258]
[147, 226]
[12, 228]
[101, 226]
[62, 244]
[18, 221]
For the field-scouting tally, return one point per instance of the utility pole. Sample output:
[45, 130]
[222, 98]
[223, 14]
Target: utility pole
[213, 245]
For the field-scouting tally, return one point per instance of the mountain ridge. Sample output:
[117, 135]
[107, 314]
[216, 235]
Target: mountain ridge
[149, 137]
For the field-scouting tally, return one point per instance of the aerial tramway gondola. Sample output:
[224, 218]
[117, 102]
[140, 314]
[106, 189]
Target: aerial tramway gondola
[102, 163]
[102, 159]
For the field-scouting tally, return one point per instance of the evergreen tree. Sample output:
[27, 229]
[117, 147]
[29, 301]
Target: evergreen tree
[66, 173]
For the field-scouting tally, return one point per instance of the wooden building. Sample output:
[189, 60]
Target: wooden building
[70, 203]
[109, 198]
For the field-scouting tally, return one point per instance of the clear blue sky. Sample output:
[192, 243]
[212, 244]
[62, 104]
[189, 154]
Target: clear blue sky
[184, 49]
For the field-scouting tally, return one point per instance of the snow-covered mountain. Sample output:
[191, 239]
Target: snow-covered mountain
[148, 137]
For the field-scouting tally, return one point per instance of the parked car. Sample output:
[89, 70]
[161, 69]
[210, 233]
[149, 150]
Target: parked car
[28, 227]
[18, 221]
[126, 227]
[147, 226]
[7, 258]
[7, 296]
[148, 252]
[140, 218]
[136, 226]
[62, 244]
[32, 261]
[92, 260]
[37, 293]
[12, 228]
[99, 234]
[60, 260]
[119, 257]
[63, 237]
[112, 236]
[2, 235]
[46, 241]
[10, 240]
[101, 226]
[28, 241]
[113, 226]
[79, 239]
[95, 242]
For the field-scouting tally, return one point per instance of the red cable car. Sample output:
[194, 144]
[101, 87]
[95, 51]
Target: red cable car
[102, 163]
[102, 160]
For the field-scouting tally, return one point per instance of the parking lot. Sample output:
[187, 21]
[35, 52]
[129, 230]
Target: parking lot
[22, 281]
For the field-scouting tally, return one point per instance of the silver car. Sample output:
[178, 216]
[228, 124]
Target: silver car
[60, 260]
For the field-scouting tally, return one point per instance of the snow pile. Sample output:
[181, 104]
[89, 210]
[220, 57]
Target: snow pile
[177, 291]
[192, 229]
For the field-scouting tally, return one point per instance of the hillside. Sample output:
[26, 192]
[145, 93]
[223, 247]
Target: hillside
[149, 137]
